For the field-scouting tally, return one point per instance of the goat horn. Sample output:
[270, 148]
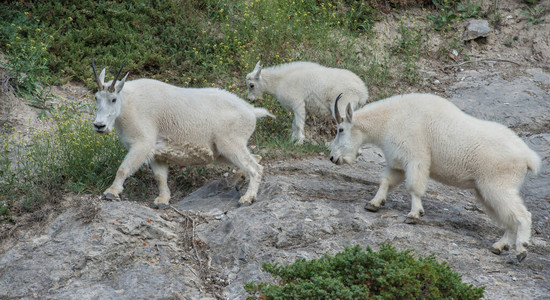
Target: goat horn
[99, 83]
[112, 87]
[336, 112]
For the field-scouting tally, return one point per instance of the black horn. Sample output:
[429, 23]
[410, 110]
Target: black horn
[112, 87]
[336, 111]
[99, 83]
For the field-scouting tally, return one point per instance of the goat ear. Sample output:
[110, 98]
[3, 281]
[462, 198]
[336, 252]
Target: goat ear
[349, 113]
[120, 84]
[102, 77]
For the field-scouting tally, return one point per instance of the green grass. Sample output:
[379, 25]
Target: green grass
[186, 43]
[358, 274]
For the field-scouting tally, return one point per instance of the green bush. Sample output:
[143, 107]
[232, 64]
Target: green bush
[358, 274]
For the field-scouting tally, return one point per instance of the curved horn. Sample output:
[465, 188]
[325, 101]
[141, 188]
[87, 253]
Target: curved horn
[336, 112]
[112, 87]
[99, 83]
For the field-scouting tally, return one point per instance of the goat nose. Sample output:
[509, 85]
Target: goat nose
[332, 158]
[99, 126]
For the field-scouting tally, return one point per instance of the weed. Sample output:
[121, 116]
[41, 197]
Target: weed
[535, 15]
[442, 20]
[468, 9]
[409, 47]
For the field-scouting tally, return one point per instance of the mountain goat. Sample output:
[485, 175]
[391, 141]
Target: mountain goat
[306, 87]
[424, 136]
[164, 124]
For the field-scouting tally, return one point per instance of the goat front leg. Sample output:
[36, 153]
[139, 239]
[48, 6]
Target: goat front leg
[390, 178]
[160, 170]
[135, 157]
[298, 124]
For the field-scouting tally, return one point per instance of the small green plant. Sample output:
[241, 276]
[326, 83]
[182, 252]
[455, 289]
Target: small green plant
[468, 9]
[442, 20]
[535, 15]
[409, 48]
[510, 41]
[358, 274]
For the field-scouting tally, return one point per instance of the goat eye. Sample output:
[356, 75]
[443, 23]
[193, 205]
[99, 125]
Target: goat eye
[341, 130]
[251, 86]
[114, 100]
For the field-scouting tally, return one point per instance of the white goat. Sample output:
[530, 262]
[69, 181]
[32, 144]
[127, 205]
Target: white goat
[424, 136]
[306, 86]
[164, 124]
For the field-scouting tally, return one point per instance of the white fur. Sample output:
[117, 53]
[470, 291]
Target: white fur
[164, 124]
[306, 87]
[424, 136]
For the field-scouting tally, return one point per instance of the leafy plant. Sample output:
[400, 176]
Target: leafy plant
[467, 10]
[358, 274]
[535, 14]
[445, 15]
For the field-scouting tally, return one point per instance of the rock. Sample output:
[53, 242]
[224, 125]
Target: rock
[304, 208]
[476, 29]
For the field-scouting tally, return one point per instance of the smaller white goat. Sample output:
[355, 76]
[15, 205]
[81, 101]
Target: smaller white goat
[167, 125]
[306, 87]
[424, 136]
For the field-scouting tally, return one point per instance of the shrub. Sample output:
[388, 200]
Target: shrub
[358, 274]
[68, 157]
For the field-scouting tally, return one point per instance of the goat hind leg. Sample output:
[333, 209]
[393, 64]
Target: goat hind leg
[506, 207]
[246, 162]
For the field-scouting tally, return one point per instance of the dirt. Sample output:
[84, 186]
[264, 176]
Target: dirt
[307, 207]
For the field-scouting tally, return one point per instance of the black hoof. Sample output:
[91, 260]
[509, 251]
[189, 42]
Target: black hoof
[495, 250]
[410, 220]
[521, 256]
[371, 207]
[160, 206]
[110, 197]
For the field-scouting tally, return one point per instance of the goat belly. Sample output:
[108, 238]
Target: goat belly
[184, 155]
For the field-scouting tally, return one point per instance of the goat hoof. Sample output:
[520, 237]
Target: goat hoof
[110, 197]
[371, 207]
[161, 206]
[243, 203]
[521, 256]
[412, 220]
[495, 250]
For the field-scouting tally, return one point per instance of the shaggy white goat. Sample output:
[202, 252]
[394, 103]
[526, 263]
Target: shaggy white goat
[164, 124]
[306, 87]
[424, 136]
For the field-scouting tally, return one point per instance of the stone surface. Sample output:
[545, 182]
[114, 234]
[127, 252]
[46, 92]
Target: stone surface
[206, 246]
[476, 29]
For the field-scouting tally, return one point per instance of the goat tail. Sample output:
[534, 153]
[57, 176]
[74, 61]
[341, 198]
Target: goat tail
[261, 112]
[533, 162]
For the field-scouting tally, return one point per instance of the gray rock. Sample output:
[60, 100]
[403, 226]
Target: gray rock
[476, 29]
[304, 209]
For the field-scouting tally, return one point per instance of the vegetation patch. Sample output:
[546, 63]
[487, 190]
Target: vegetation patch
[211, 43]
[358, 274]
